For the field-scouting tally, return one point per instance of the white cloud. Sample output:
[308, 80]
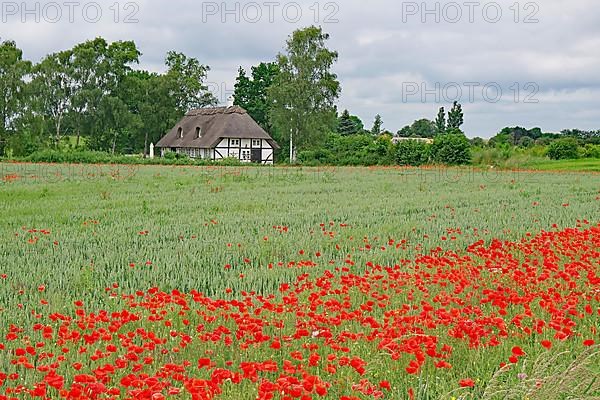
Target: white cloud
[378, 52]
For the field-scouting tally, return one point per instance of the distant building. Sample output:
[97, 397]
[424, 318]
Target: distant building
[218, 133]
[398, 139]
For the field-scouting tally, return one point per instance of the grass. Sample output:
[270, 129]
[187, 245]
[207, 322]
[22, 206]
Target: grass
[531, 159]
[584, 164]
[174, 202]
[84, 232]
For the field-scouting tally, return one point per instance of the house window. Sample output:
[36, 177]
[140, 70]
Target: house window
[234, 142]
[180, 133]
[198, 133]
[255, 142]
[245, 155]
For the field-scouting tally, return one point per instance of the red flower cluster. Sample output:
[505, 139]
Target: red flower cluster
[322, 335]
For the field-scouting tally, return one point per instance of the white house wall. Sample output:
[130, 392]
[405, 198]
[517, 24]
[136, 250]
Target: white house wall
[234, 148]
[231, 148]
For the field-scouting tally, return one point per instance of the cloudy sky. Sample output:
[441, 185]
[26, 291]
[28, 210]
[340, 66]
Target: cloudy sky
[508, 62]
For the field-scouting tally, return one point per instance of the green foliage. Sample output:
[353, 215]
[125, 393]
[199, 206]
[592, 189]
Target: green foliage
[477, 142]
[25, 143]
[422, 128]
[583, 137]
[526, 142]
[358, 124]
[251, 93]
[440, 121]
[13, 70]
[92, 93]
[171, 155]
[412, 152]
[455, 117]
[100, 157]
[535, 158]
[69, 89]
[349, 124]
[99, 71]
[591, 151]
[52, 91]
[153, 110]
[377, 126]
[383, 148]
[563, 149]
[516, 136]
[305, 90]
[186, 77]
[491, 156]
[452, 148]
[316, 157]
[76, 157]
[351, 150]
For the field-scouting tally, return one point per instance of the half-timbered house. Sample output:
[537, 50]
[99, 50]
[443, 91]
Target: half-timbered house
[219, 133]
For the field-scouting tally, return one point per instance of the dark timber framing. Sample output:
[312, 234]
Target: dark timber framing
[210, 133]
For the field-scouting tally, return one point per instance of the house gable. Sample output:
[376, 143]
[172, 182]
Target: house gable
[218, 133]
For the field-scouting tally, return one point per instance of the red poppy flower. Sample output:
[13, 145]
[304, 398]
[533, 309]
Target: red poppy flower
[547, 344]
[467, 382]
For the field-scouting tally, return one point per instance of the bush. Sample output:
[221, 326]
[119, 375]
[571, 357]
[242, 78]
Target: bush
[526, 142]
[229, 162]
[351, 150]
[171, 155]
[98, 157]
[591, 151]
[383, 149]
[70, 157]
[452, 149]
[563, 149]
[24, 144]
[315, 157]
[412, 152]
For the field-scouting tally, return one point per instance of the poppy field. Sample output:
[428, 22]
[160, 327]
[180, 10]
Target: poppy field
[286, 283]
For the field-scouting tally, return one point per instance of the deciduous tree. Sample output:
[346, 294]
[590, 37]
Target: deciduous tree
[13, 71]
[251, 92]
[377, 126]
[455, 117]
[440, 121]
[187, 77]
[305, 90]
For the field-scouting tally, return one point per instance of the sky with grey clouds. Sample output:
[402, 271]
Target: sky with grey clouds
[512, 62]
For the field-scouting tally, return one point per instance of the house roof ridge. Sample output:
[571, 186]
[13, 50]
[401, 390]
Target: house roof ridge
[216, 110]
[205, 127]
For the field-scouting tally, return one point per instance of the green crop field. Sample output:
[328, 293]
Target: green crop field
[223, 270]
[586, 164]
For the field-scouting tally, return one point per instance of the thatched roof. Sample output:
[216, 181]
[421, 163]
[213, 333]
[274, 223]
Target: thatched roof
[215, 124]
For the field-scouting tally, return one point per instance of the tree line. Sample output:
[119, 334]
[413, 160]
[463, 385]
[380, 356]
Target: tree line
[293, 98]
[93, 96]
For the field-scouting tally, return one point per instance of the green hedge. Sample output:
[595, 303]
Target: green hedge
[563, 149]
[97, 157]
[451, 149]
[413, 153]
